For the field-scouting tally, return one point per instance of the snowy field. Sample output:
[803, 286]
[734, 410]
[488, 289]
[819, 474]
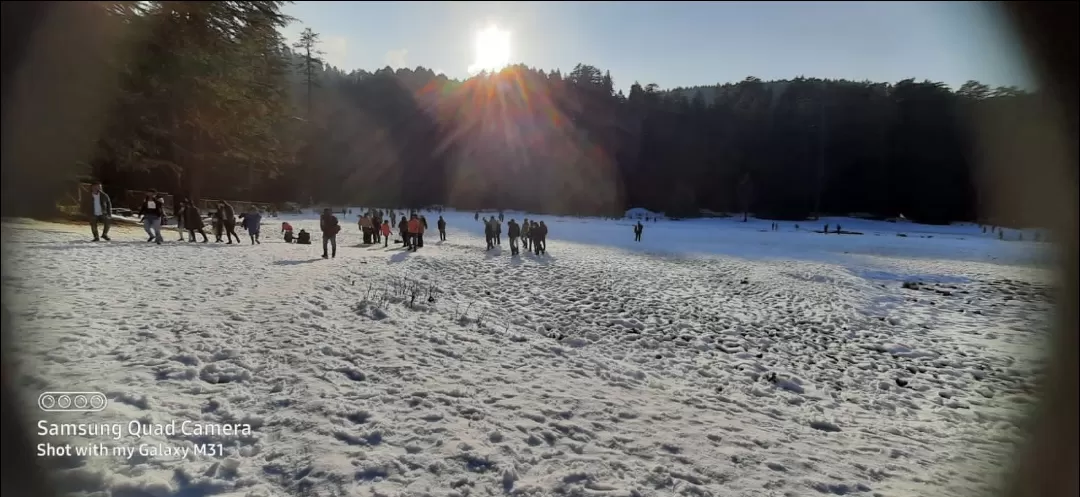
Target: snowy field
[713, 358]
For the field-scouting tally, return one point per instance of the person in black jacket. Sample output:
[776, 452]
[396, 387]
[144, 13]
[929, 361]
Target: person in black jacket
[442, 229]
[638, 228]
[489, 233]
[525, 236]
[535, 236]
[228, 220]
[152, 214]
[543, 238]
[98, 207]
[403, 230]
[192, 220]
[513, 231]
[328, 223]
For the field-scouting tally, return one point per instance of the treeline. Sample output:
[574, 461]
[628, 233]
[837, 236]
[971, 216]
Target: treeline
[210, 101]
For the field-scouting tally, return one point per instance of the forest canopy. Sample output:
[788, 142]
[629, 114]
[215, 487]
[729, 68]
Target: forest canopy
[208, 100]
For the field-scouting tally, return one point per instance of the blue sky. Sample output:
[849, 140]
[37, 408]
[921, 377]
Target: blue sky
[680, 43]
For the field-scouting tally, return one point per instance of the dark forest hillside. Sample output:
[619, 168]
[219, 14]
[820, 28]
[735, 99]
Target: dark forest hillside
[210, 101]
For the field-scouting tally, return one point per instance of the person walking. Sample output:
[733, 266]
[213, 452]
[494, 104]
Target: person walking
[181, 220]
[489, 234]
[228, 219]
[638, 228]
[441, 224]
[178, 212]
[543, 238]
[152, 213]
[328, 223]
[534, 237]
[403, 230]
[217, 224]
[498, 230]
[99, 209]
[193, 221]
[253, 223]
[525, 236]
[385, 228]
[513, 231]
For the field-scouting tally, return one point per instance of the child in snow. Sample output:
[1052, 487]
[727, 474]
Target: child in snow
[385, 233]
[287, 229]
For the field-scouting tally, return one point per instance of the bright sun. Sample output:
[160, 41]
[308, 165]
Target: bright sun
[491, 50]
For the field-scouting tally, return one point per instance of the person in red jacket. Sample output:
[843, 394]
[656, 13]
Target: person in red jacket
[415, 232]
[385, 229]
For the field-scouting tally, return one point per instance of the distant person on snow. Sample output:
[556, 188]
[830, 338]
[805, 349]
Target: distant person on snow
[152, 213]
[525, 233]
[178, 211]
[534, 237]
[489, 234]
[513, 231]
[287, 230]
[498, 230]
[228, 218]
[476, 217]
[403, 230]
[364, 224]
[441, 224]
[253, 221]
[414, 228]
[385, 228]
[217, 224]
[540, 240]
[328, 224]
[193, 221]
[99, 209]
[420, 233]
[638, 228]
[303, 237]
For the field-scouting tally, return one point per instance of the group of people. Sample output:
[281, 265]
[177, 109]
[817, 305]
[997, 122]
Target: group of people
[301, 238]
[374, 228]
[223, 221]
[374, 225]
[532, 234]
[98, 207]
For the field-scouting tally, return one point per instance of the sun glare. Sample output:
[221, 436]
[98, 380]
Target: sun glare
[491, 51]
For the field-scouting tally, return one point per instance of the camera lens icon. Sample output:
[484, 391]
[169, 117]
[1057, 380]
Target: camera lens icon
[98, 401]
[72, 401]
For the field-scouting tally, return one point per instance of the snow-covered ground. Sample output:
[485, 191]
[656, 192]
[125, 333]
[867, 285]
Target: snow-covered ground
[712, 358]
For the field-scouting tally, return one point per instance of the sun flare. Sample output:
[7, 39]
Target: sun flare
[491, 51]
